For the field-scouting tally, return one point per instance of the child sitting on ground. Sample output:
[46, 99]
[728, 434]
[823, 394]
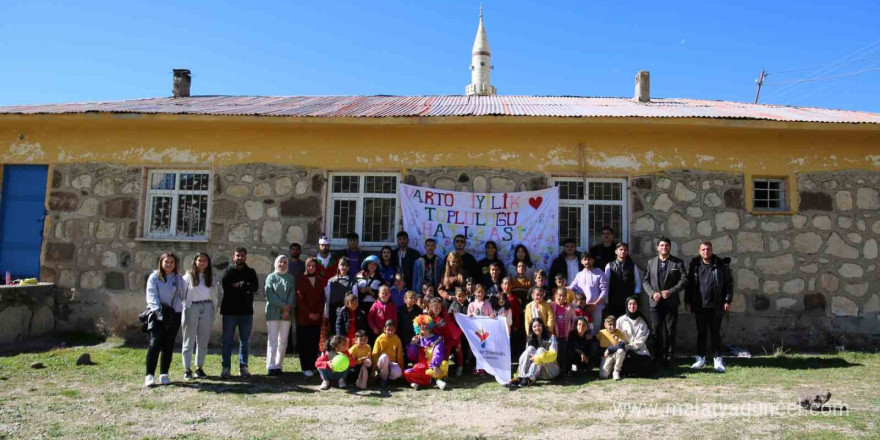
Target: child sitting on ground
[360, 352]
[338, 344]
[445, 326]
[581, 346]
[428, 350]
[614, 343]
[388, 354]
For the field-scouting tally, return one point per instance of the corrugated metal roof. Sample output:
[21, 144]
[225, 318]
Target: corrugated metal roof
[453, 105]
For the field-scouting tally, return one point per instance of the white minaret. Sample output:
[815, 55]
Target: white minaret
[480, 64]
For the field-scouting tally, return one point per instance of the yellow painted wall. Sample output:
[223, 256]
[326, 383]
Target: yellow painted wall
[595, 146]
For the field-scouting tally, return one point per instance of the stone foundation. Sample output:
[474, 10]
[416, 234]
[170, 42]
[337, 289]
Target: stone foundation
[26, 312]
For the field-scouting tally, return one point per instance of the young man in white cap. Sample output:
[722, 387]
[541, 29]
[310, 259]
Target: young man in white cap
[326, 260]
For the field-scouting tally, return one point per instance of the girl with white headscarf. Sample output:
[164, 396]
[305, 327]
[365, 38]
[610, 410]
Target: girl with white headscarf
[280, 301]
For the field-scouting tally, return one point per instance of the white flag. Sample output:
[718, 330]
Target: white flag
[490, 343]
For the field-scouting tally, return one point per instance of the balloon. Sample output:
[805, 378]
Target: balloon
[339, 363]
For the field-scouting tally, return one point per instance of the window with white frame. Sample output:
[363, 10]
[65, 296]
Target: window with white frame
[769, 194]
[177, 204]
[364, 203]
[588, 205]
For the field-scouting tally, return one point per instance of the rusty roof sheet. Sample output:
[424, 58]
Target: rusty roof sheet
[382, 106]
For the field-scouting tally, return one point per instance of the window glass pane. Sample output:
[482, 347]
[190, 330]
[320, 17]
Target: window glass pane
[774, 204]
[769, 194]
[160, 224]
[605, 191]
[163, 181]
[760, 184]
[344, 212]
[380, 184]
[571, 190]
[601, 216]
[760, 203]
[192, 215]
[570, 224]
[773, 184]
[378, 219]
[194, 182]
[346, 184]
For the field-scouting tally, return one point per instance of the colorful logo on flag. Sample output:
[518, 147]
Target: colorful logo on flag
[483, 335]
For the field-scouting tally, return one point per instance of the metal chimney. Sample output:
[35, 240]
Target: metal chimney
[643, 86]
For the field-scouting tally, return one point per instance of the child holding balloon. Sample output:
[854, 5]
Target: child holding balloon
[334, 362]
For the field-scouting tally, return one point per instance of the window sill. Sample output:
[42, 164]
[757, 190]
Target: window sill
[173, 239]
[759, 212]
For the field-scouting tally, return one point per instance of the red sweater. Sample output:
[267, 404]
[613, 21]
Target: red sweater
[379, 313]
[309, 300]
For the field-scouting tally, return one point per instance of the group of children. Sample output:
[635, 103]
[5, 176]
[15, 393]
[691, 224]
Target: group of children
[413, 335]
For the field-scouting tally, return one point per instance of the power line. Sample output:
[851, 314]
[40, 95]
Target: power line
[822, 77]
[822, 67]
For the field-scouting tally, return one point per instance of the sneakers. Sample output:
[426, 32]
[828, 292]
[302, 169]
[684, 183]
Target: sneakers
[441, 384]
[342, 383]
[164, 379]
[574, 368]
[149, 381]
[308, 373]
[200, 373]
[243, 371]
[524, 382]
[616, 375]
[414, 386]
[223, 374]
[325, 385]
[188, 375]
[719, 365]
[699, 363]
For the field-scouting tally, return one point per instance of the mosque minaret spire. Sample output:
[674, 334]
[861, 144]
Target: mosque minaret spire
[481, 64]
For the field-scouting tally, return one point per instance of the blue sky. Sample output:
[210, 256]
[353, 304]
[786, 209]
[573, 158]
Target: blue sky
[68, 51]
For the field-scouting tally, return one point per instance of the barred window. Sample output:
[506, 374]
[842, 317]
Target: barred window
[588, 205]
[365, 204]
[177, 204]
[769, 194]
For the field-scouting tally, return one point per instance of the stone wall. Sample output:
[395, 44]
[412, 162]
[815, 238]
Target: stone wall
[27, 312]
[807, 279]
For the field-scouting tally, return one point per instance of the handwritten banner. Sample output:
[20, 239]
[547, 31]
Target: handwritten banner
[529, 218]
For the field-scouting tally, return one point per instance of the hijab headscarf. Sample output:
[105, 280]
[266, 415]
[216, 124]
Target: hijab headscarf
[277, 261]
[637, 314]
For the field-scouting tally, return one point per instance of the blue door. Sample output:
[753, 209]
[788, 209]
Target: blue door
[22, 208]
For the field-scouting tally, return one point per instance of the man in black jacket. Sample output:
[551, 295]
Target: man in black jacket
[568, 263]
[665, 279]
[240, 284]
[406, 258]
[468, 262]
[624, 281]
[604, 251]
[709, 292]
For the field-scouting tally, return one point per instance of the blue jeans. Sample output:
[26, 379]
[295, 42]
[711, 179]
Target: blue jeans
[330, 375]
[244, 323]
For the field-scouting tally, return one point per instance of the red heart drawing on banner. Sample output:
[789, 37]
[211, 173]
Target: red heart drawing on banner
[536, 201]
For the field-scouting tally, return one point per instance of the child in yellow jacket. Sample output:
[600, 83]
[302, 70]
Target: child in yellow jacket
[360, 352]
[614, 343]
[388, 354]
[539, 308]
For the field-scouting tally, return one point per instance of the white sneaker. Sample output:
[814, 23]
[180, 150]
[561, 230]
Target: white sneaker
[616, 375]
[414, 386]
[341, 383]
[149, 381]
[308, 373]
[164, 379]
[719, 365]
[325, 385]
[441, 384]
[574, 368]
[699, 363]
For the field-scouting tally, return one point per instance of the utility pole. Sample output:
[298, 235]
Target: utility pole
[759, 82]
